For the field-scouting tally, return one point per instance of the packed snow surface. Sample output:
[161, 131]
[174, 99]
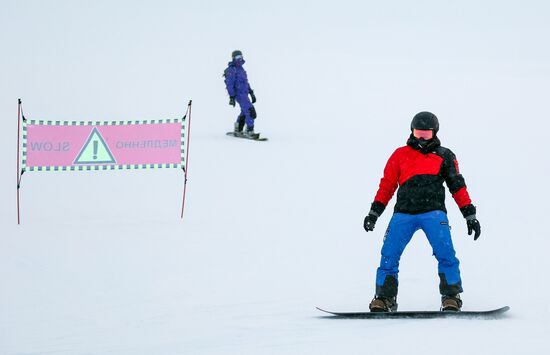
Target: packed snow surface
[102, 263]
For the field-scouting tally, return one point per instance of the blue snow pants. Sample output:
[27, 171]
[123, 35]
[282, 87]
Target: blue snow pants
[248, 112]
[399, 233]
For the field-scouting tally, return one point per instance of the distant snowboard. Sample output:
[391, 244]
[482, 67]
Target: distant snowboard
[240, 135]
[491, 314]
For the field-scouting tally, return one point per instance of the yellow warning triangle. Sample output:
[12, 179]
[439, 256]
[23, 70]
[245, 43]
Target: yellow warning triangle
[95, 151]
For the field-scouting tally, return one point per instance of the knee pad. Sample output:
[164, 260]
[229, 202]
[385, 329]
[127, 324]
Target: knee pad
[252, 112]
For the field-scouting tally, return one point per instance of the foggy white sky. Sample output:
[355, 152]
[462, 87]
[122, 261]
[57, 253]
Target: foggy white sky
[337, 85]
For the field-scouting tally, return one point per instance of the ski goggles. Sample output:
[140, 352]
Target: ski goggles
[423, 133]
[238, 57]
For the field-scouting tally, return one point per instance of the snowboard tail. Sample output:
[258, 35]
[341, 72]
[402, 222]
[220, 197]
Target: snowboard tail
[489, 314]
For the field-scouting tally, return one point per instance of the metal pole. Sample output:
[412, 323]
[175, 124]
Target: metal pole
[186, 157]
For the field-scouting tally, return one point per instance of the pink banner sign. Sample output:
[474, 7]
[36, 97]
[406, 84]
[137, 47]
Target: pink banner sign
[69, 145]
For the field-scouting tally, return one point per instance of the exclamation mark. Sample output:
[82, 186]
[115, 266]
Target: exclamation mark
[95, 149]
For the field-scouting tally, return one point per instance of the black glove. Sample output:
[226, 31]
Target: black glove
[232, 101]
[376, 209]
[252, 96]
[369, 222]
[473, 226]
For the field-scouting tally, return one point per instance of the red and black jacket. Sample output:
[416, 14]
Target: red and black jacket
[419, 172]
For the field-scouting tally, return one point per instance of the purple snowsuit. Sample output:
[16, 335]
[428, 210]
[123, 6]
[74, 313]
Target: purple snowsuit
[236, 82]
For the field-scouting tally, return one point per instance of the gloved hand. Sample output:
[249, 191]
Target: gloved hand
[232, 101]
[473, 226]
[369, 222]
[252, 96]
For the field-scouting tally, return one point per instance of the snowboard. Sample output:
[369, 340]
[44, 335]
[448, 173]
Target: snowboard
[489, 314]
[240, 135]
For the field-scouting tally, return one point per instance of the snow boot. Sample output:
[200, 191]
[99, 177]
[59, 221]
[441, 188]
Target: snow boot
[451, 303]
[237, 128]
[249, 133]
[383, 304]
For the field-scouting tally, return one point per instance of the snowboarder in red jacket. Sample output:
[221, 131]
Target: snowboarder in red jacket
[419, 169]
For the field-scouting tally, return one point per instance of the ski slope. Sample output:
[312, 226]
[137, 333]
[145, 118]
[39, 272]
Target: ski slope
[102, 263]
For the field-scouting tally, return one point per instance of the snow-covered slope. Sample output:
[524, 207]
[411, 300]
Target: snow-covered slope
[102, 264]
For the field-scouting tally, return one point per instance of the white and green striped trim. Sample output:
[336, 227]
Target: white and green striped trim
[102, 123]
[104, 167]
[24, 146]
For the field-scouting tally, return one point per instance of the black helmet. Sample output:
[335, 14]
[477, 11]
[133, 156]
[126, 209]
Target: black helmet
[236, 53]
[425, 120]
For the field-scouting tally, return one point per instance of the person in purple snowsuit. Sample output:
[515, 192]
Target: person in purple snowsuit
[238, 88]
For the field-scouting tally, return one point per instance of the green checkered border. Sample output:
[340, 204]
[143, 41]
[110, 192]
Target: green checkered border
[100, 123]
[102, 167]
[24, 146]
